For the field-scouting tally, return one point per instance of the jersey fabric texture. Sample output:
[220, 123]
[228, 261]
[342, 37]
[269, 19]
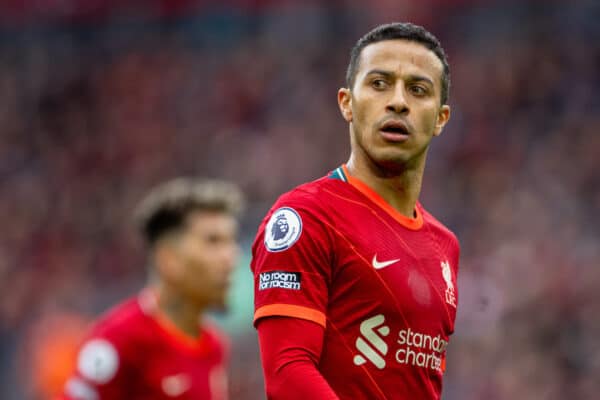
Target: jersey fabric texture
[383, 286]
[290, 349]
[134, 353]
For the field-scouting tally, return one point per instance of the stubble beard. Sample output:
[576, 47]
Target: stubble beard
[386, 165]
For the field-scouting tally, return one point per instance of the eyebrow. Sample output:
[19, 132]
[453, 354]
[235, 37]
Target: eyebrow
[389, 74]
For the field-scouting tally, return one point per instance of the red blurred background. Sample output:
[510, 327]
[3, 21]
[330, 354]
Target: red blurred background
[102, 99]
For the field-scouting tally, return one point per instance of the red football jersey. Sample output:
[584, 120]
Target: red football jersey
[382, 285]
[134, 353]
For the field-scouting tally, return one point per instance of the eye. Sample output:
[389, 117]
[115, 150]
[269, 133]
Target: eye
[213, 238]
[418, 90]
[379, 84]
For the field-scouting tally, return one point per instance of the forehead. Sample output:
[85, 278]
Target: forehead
[400, 56]
[211, 221]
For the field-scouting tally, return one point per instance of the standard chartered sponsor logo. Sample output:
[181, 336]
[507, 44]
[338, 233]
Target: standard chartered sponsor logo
[370, 344]
[420, 349]
[279, 279]
[414, 348]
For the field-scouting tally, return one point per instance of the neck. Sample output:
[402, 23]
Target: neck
[399, 186]
[184, 315]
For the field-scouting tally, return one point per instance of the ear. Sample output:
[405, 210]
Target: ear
[165, 260]
[345, 103]
[442, 118]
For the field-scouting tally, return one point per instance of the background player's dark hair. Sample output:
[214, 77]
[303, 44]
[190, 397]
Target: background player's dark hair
[165, 209]
[400, 30]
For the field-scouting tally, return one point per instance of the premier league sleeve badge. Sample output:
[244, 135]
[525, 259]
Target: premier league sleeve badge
[283, 229]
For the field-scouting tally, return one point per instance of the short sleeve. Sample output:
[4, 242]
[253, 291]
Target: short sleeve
[291, 264]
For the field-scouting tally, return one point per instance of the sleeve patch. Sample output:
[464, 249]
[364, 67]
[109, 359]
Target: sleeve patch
[98, 361]
[283, 229]
[280, 279]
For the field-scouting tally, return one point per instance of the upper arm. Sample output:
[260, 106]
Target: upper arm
[290, 352]
[292, 264]
[100, 373]
[284, 340]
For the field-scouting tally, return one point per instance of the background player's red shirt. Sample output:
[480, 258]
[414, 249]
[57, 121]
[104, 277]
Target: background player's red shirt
[382, 285]
[133, 354]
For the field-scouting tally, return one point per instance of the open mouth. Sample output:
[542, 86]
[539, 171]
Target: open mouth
[395, 131]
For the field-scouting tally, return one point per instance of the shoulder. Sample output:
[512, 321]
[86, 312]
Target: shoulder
[103, 353]
[312, 200]
[440, 231]
[217, 340]
[309, 196]
[118, 334]
[294, 214]
[446, 240]
[121, 320]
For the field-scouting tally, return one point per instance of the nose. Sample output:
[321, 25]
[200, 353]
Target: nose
[397, 102]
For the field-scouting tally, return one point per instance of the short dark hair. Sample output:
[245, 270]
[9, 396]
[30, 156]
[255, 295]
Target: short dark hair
[167, 206]
[405, 31]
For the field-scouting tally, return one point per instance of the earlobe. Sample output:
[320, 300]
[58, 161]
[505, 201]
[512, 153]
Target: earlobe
[442, 119]
[345, 103]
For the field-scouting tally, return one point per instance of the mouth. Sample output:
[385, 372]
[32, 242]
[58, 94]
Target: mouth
[395, 131]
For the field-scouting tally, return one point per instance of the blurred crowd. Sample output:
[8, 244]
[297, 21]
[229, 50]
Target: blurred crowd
[93, 114]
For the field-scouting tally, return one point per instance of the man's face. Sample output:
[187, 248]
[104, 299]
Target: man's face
[394, 106]
[203, 257]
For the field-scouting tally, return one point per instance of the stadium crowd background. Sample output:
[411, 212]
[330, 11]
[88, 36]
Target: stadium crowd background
[102, 99]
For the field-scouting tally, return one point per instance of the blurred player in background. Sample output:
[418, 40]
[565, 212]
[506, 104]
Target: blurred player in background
[355, 283]
[157, 345]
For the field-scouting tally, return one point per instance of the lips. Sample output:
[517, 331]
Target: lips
[395, 131]
[395, 126]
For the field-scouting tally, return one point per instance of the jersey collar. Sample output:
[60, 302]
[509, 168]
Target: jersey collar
[148, 301]
[410, 223]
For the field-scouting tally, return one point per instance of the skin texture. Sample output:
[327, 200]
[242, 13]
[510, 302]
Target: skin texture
[194, 268]
[397, 81]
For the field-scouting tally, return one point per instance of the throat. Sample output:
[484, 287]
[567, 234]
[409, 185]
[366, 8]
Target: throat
[400, 189]
[398, 197]
[182, 315]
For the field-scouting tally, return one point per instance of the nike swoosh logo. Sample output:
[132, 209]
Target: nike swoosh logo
[382, 264]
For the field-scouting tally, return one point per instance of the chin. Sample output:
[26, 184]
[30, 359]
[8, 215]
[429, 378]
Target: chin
[391, 161]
